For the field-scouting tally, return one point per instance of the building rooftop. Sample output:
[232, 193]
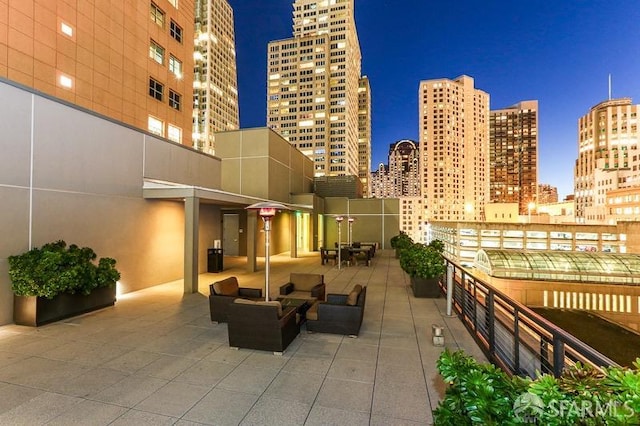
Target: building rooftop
[156, 358]
[581, 266]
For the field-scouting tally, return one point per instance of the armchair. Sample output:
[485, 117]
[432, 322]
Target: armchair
[304, 286]
[261, 325]
[224, 292]
[361, 253]
[340, 314]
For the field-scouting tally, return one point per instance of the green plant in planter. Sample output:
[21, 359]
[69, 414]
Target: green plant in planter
[400, 241]
[437, 245]
[422, 261]
[55, 268]
[482, 394]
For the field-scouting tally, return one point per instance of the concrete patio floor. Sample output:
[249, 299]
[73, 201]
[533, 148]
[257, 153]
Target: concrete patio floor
[156, 358]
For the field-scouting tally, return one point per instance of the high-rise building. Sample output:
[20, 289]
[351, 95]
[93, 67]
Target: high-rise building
[404, 168]
[547, 194]
[513, 155]
[607, 145]
[312, 85]
[215, 89]
[401, 178]
[364, 134]
[379, 181]
[454, 149]
[129, 61]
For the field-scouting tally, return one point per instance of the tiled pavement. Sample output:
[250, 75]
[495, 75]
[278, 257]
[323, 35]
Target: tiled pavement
[156, 358]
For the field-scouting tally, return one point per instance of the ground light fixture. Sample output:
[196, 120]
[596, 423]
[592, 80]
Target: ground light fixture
[266, 210]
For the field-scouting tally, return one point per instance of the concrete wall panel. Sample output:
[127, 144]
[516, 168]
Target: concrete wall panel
[177, 163]
[279, 172]
[145, 237]
[15, 136]
[79, 152]
[231, 179]
[14, 228]
[87, 190]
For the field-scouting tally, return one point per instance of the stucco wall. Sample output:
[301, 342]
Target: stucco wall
[376, 220]
[67, 174]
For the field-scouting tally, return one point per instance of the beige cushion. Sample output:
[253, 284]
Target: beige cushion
[275, 303]
[272, 303]
[227, 287]
[312, 312]
[352, 298]
[305, 282]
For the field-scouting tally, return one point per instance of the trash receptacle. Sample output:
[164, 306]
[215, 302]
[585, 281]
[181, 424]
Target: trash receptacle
[214, 260]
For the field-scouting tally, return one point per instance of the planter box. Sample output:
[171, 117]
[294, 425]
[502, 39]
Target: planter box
[35, 311]
[425, 287]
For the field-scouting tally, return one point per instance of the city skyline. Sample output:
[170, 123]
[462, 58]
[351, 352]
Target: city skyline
[558, 54]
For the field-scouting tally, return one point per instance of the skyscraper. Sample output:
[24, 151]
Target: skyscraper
[454, 149]
[215, 90]
[513, 148]
[313, 81]
[364, 134]
[401, 178]
[607, 145]
[129, 61]
[547, 194]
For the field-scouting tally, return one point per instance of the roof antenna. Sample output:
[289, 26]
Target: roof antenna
[609, 86]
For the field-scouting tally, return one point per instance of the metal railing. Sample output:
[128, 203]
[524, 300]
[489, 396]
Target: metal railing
[511, 335]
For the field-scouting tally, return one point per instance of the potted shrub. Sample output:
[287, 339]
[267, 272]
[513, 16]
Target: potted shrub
[425, 267]
[54, 282]
[400, 242]
[483, 394]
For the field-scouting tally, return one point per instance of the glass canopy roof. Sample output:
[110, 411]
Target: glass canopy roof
[610, 268]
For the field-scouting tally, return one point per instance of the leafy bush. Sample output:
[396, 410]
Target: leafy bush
[437, 245]
[480, 394]
[400, 241]
[54, 269]
[422, 261]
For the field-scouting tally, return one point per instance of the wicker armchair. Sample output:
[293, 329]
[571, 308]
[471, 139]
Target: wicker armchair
[224, 292]
[261, 325]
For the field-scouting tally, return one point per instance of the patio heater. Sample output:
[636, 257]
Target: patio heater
[339, 220]
[351, 220]
[267, 211]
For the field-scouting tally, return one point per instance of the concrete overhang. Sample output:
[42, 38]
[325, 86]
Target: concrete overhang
[157, 190]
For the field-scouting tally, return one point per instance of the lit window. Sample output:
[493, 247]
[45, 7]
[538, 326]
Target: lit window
[66, 29]
[157, 15]
[175, 31]
[65, 81]
[174, 100]
[175, 66]
[155, 126]
[174, 133]
[156, 89]
[174, 3]
[156, 52]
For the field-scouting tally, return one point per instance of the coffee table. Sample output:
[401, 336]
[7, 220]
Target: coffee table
[301, 306]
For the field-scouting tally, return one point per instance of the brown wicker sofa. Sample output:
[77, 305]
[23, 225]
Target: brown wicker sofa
[340, 314]
[261, 325]
[224, 292]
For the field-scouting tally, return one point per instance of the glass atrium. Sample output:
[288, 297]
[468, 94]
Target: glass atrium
[593, 267]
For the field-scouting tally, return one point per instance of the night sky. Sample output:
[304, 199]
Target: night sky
[559, 52]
